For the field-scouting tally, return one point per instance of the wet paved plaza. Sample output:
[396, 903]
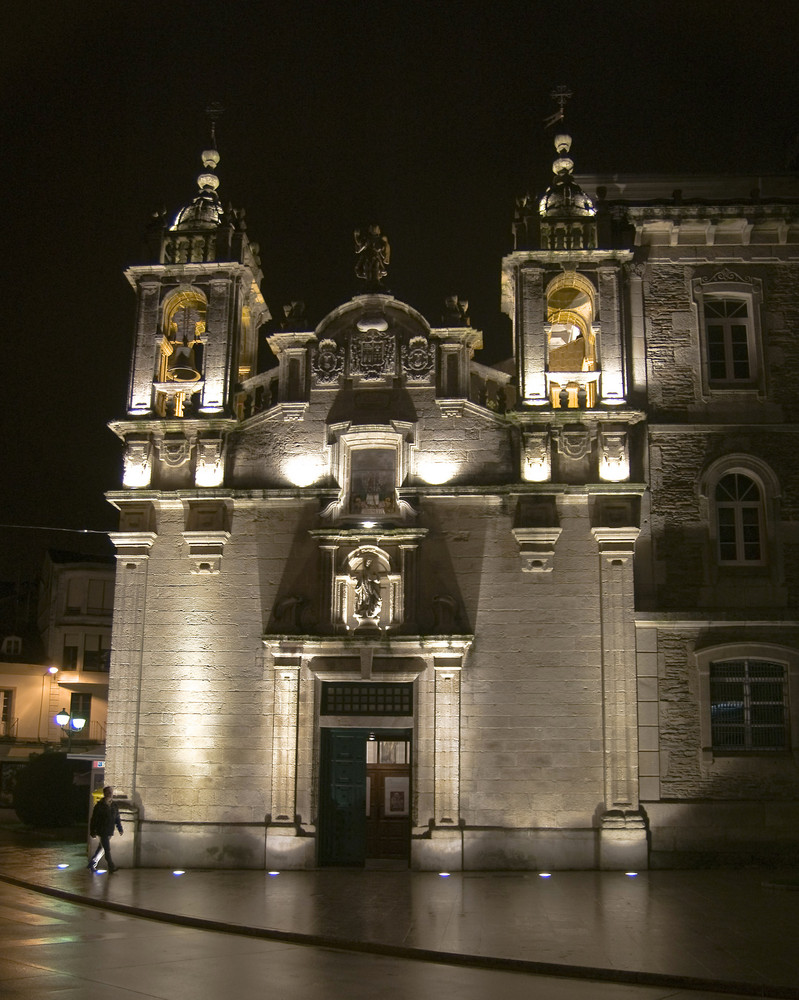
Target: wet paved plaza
[353, 933]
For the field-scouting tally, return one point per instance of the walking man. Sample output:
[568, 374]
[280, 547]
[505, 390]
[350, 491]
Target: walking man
[105, 816]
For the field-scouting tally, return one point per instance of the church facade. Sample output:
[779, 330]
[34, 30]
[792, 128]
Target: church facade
[382, 603]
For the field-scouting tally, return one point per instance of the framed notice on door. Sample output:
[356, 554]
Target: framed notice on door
[396, 796]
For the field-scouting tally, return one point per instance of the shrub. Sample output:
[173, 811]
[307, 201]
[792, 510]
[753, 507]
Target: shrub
[52, 791]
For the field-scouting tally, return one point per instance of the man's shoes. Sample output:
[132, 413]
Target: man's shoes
[90, 866]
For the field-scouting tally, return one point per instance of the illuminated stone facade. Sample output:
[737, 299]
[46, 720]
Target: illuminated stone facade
[537, 615]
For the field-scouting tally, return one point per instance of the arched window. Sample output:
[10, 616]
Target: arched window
[739, 519]
[571, 344]
[740, 498]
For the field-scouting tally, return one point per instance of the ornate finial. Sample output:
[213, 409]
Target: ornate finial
[372, 256]
[560, 95]
[213, 113]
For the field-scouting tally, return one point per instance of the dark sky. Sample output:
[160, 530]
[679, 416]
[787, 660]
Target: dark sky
[423, 116]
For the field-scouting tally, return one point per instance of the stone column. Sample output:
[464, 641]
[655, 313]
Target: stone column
[622, 834]
[127, 644]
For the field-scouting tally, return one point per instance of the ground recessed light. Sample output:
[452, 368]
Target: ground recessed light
[631, 874]
[273, 873]
[62, 866]
[444, 874]
[179, 871]
[545, 874]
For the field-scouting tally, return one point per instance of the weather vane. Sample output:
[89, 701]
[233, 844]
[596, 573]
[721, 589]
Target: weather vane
[561, 95]
[214, 112]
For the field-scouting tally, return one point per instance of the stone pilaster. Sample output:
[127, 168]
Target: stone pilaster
[147, 327]
[446, 765]
[530, 338]
[622, 834]
[611, 358]
[124, 682]
[284, 738]
[217, 346]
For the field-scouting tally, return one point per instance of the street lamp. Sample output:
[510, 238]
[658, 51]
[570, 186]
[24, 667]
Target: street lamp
[69, 723]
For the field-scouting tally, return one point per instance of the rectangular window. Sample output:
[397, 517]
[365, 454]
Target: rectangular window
[6, 721]
[69, 658]
[748, 706]
[96, 653]
[101, 597]
[728, 333]
[74, 596]
[80, 707]
[372, 481]
[367, 699]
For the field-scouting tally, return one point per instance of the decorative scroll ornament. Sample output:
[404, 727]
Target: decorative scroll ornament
[574, 442]
[725, 274]
[137, 464]
[614, 457]
[174, 452]
[328, 362]
[372, 354]
[418, 359]
[209, 471]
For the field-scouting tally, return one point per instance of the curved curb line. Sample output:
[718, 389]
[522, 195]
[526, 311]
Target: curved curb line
[521, 965]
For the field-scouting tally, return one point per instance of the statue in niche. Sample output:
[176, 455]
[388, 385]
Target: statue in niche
[373, 254]
[368, 601]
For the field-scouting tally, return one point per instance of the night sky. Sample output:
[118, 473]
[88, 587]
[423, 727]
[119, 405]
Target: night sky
[424, 117]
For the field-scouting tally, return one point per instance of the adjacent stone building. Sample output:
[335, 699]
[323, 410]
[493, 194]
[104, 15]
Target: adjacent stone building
[382, 602]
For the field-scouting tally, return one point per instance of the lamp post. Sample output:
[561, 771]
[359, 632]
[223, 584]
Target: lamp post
[69, 723]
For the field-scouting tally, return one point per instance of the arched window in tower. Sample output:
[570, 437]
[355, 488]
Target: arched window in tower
[180, 358]
[739, 515]
[571, 343]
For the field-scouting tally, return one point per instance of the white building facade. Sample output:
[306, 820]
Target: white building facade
[382, 602]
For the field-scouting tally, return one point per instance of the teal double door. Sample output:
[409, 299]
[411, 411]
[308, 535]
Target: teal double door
[364, 805]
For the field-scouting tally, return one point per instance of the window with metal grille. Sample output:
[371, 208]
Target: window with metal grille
[748, 705]
[367, 699]
[728, 333]
[739, 512]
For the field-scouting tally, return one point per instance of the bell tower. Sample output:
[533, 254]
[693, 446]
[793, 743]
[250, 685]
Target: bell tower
[199, 308]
